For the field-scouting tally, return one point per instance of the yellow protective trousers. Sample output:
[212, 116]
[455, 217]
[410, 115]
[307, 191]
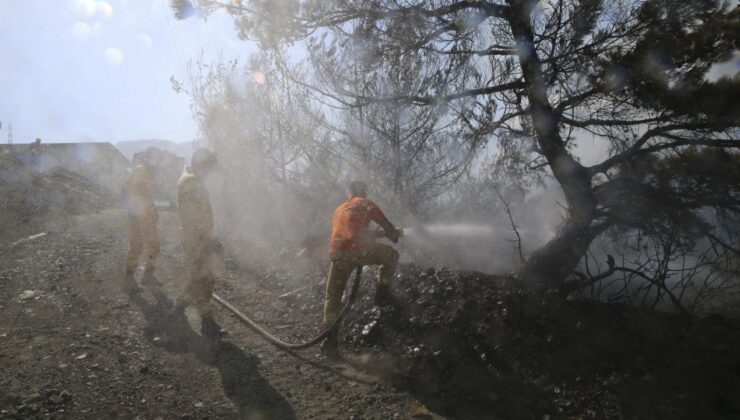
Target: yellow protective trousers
[142, 234]
[342, 265]
[200, 257]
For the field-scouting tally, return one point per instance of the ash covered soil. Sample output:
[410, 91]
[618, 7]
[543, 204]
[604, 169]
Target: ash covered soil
[455, 345]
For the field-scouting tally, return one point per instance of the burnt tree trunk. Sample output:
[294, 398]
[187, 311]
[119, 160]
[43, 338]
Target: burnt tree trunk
[551, 264]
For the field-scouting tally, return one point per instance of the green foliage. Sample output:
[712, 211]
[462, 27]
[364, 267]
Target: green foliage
[667, 66]
[535, 81]
[670, 196]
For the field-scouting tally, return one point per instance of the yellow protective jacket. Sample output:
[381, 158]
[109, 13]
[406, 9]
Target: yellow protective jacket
[139, 190]
[196, 213]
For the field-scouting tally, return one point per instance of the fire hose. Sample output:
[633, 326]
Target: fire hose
[294, 346]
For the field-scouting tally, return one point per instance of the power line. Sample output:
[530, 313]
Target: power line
[172, 31]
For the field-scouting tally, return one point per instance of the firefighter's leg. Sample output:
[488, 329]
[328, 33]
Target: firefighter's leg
[152, 242]
[185, 298]
[339, 271]
[135, 244]
[209, 327]
[192, 255]
[204, 292]
[201, 288]
[387, 258]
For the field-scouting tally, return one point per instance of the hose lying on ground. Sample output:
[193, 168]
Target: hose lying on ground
[294, 346]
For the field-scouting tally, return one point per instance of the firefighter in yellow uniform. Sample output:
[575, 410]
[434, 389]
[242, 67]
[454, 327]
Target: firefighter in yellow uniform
[202, 250]
[138, 191]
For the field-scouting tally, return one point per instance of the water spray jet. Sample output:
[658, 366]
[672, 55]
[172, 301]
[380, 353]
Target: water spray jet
[449, 229]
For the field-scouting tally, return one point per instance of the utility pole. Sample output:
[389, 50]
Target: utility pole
[10, 134]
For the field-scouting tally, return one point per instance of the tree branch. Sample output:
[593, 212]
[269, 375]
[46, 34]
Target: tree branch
[426, 100]
[513, 225]
[657, 284]
[636, 149]
[608, 123]
[493, 50]
[586, 281]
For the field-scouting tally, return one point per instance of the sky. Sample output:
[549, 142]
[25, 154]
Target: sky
[90, 70]
[94, 70]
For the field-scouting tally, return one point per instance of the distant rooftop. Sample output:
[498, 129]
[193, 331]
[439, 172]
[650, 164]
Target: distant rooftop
[86, 151]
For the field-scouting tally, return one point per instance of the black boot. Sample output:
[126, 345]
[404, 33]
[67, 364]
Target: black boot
[149, 279]
[383, 296]
[330, 346]
[210, 329]
[129, 283]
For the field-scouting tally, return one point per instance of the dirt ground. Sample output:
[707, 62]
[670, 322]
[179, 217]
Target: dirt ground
[455, 345]
[73, 346]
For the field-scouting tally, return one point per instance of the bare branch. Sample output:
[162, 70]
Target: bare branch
[513, 225]
[657, 284]
[586, 281]
[425, 100]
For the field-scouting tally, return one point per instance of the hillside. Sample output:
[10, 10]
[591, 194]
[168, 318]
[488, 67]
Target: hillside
[131, 147]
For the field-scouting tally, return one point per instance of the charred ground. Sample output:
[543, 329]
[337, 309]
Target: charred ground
[456, 345]
[469, 345]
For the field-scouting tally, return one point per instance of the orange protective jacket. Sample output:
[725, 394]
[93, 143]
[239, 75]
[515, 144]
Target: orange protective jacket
[350, 225]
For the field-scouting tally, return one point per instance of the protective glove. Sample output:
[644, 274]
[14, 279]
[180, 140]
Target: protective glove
[393, 234]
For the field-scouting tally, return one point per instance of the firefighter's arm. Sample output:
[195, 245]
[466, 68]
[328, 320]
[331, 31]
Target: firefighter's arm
[389, 230]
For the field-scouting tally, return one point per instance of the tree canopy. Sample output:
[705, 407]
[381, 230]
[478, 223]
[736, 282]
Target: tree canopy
[532, 79]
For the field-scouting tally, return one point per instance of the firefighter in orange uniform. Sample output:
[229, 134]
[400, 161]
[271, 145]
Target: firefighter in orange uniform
[352, 245]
